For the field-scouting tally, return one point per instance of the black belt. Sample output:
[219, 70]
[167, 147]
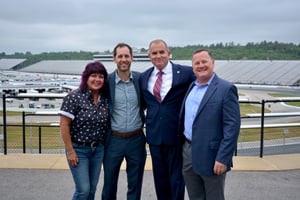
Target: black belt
[88, 144]
[127, 135]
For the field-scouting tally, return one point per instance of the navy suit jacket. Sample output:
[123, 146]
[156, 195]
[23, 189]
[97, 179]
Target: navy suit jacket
[112, 85]
[162, 118]
[216, 127]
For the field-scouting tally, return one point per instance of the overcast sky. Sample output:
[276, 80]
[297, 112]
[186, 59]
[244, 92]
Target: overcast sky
[98, 25]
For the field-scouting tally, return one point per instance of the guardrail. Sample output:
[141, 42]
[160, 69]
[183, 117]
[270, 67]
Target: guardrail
[263, 115]
[25, 125]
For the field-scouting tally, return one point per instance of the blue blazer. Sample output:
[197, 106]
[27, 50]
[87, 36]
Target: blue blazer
[162, 118]
[216, 127]
[112, 85]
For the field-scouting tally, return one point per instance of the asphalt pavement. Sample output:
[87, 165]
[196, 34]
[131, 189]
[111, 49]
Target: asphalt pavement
[26, 184]
[47, 177]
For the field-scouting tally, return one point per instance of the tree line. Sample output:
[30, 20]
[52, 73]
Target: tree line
[221, 51]
[251, 51]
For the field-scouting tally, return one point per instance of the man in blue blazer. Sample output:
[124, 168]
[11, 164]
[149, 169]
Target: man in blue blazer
[126, 140]
[162, 119]
[211, 124]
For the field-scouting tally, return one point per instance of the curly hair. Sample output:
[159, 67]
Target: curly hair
[90, 68]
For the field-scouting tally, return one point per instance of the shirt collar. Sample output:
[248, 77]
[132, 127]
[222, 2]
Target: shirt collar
[118, 79]
[166, 70]
[206, 84]
[89, 94]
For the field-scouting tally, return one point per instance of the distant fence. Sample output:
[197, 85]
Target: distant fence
[31, 138]
[256, 139]
[278, 132]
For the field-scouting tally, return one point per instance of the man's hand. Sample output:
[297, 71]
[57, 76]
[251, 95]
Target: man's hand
[219, 168]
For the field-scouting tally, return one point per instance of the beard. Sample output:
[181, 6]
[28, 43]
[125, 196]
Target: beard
[123, 68]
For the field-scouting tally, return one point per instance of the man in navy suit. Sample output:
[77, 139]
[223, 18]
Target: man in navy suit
[211, 116]
[162, 119]
[127, 140]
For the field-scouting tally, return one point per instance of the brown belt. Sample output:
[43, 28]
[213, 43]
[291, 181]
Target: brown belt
[127, 135]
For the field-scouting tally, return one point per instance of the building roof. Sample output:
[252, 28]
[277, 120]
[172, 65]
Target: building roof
[8, 63]
[279, 72]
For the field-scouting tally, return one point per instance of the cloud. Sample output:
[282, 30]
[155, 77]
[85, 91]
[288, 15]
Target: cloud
[93, 25]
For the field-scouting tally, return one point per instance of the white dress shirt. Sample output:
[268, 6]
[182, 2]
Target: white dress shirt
[167, 78]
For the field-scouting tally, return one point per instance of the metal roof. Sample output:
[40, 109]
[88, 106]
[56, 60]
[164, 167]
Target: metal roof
[8, 63]
[279, 72]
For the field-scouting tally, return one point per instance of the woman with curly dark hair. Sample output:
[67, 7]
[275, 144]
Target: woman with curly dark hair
[84, 121]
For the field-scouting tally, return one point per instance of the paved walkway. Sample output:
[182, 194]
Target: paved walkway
[45, 176]
[240, 163]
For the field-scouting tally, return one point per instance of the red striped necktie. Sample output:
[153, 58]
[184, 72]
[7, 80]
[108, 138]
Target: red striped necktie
[157, 86]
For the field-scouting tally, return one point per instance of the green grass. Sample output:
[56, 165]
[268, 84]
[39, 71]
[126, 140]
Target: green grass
[246, 108]
[10, 113]
[50, 136]
[285, 95]
[249, 135]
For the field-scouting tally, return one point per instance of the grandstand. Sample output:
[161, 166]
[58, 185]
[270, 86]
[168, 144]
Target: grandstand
[264, 72]
[75, 67]
[259, 72]
[8, 64]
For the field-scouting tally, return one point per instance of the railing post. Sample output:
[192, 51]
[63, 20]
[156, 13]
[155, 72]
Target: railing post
[235, 151]
[40, 139]
[262, 128]
[24, 132]
[4, 125]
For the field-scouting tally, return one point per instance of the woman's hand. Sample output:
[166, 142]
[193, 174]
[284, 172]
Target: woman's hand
[72, 158]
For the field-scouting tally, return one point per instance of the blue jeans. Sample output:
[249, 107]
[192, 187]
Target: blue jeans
[86, 173]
